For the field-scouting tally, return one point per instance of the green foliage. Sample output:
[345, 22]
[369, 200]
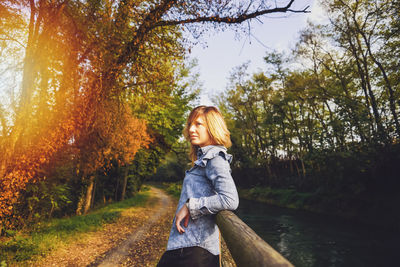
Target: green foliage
[282, 197]
[145, 188]
[323, 125]
[42, 200]
[9, 233]
[172, 168]
[173, 188]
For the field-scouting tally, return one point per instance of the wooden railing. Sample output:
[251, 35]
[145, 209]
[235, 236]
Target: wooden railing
[246, 247]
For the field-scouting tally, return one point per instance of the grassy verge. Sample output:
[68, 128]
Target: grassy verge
[281, 197]
[379, 211]
[333, 204]
[46, 236]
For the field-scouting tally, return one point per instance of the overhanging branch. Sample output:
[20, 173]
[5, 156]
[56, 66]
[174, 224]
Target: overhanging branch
[233, 20]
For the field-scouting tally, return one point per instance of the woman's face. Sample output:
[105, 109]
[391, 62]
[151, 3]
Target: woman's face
[198, 132]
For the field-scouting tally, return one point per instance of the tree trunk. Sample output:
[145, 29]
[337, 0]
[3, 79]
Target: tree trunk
[297, 168]
[362, 66]
[125, 183]
[352, 114]
[303, 168]
[28, 77]
[93, 194]
[116, 190]
[391, 97]
[80, 204]
[392, 103]
[362, 78]
[89, 194]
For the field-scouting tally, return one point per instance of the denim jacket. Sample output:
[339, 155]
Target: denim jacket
[208, 187]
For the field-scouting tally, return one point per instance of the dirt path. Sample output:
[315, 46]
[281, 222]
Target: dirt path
[131, 248]
[138, 238]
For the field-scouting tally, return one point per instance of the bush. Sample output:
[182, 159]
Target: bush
[173, 189]
[41, 201]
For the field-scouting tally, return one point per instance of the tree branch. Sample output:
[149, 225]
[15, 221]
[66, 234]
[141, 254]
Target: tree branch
[233, 20]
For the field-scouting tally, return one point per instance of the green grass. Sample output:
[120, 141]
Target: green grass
[48, 235]
[281, 197]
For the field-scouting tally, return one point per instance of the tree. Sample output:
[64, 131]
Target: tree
[359, 24]
[328, 119]
[81, 61]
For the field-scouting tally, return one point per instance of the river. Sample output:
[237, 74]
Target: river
[308, 239]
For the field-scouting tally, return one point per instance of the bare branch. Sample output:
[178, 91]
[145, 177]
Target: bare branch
[10, 38]
[233, 20]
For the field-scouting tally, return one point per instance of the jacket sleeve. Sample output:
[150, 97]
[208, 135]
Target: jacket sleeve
[226, 198]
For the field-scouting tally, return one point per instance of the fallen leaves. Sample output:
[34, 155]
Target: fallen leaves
[90, 247]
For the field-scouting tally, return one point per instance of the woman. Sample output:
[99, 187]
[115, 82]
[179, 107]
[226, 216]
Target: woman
[208, 187]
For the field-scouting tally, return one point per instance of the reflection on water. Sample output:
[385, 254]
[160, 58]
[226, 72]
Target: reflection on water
[308, 239]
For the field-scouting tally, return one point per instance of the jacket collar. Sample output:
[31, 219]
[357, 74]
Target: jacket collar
[203, 150]
[208, 152]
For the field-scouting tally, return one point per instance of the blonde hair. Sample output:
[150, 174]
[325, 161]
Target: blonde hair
[215, 124]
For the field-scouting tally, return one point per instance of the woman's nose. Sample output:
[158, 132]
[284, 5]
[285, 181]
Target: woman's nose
[191, 129]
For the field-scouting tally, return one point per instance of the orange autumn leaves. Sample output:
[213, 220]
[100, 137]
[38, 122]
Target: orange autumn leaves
[114, 133]
[26, 162]
[66, 105]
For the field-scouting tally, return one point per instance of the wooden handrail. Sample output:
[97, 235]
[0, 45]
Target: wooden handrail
[245, 246]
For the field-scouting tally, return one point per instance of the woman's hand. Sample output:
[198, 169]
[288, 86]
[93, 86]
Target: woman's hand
[183, 213]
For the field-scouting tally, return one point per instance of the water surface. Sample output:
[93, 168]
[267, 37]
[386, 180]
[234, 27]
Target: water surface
[308, 239]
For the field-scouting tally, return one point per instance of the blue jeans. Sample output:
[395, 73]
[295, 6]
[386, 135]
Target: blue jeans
[191, 256]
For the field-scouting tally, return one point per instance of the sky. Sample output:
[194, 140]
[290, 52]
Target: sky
[222, 51]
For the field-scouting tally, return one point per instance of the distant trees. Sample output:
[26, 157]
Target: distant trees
[96, 81]
[322, 124]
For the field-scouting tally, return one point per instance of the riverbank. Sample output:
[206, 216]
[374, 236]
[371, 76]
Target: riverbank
[378, 210]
